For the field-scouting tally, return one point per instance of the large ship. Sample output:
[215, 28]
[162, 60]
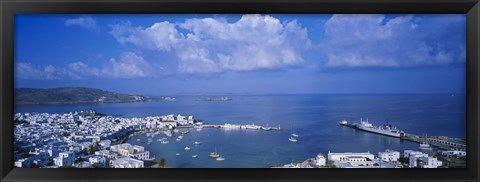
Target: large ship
[385, 129]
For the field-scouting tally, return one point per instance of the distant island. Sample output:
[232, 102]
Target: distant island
[76, 95]
[215, 99]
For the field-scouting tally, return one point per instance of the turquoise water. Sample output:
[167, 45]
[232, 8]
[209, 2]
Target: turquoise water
[314, 117]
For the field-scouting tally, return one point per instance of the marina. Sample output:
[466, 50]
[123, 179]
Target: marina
[425, 143]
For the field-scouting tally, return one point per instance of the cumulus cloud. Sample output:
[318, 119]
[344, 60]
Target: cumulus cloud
[214, 45]
[403, 41]
[129, 65]
[86, 22]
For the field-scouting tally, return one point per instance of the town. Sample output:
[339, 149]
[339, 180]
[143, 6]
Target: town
[85, 139]
[386, 159]
[88, 139]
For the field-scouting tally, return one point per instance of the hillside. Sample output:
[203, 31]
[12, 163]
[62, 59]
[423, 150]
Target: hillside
[71, 95]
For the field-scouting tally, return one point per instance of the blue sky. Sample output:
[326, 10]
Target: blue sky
[257, 54]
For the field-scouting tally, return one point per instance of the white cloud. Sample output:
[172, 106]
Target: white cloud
[375, 41]
[129, 65]
[215, 45]
[86, 22]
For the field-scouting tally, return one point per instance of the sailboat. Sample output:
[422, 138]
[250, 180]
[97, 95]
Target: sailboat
[424, 145]
[293, 137]
[219, 158]
[294, 134]
[214, 154]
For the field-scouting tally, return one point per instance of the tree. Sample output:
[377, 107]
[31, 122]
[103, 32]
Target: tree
[162, 162]
[90, 150]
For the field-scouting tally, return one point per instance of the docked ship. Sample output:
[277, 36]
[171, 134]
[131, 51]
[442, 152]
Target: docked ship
[385, 129]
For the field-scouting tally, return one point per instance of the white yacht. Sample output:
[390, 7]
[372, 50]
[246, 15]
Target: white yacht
[424, 145]
[187, 148]
[292, 139]
[220, 159]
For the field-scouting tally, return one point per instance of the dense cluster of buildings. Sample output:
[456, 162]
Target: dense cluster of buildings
[385, 159]
[84, 139]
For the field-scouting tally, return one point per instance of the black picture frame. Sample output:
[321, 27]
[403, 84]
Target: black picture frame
[11, 7]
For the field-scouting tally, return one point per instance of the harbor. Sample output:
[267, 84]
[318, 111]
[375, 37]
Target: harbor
[439, 142]
[234, 126]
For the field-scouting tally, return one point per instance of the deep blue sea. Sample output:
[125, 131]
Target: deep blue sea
[314, 117]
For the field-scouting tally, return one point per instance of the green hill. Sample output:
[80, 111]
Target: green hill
[71, 95]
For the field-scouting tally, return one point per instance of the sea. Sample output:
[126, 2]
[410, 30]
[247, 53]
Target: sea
[314, 117]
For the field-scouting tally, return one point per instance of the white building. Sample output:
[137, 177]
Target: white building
[422, 160]
[320, 160]
[456, 153]
[64, 159]
[127, 162]
[431, 162]
[25, 163]
[145, 155]
[348, 155]
[98, 161]
[407, 153]
[389, 155]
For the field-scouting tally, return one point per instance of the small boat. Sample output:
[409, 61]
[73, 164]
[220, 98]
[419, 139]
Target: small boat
[138, 139]
[178, 139]
[177, 154]
[187, 148]
[220, 159]
[184, 132]
[292, 139]
[214, 154]
[197, 143]
[424, 145]
[294, 134]
[194, 156]
[165, 142]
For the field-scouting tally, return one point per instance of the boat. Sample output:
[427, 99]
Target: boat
[194, 156]
[187, 148]
[292, 139]
[177, 154]
[178, 139]
[343, 122]
[294, 135]
[386, 129]
[197, 143]
[252, 126]
[424, 145]
[138, 139]
[220, 159]
[184, 132]
[165, 142]
[266, 128]
[214, 154]
[231, 126]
